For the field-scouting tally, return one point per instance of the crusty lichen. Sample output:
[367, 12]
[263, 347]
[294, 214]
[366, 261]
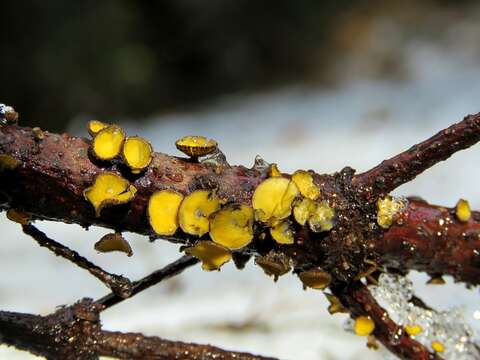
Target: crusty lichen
[162, 211]
[195, 210]
[232, 226]
[212, 255]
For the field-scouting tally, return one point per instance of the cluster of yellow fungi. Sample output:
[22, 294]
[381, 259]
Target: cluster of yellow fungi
[387, 208]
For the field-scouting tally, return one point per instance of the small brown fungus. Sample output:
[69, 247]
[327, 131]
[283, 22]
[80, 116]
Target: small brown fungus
[273, 198]
[109, 189]
[137, 153]
[10, 115]
[304, 181]
[162, 211]
[322, 218]
[335, 305]
[108, 142]
[38, 133]
[94, 127]
[436, 280]
[315, 278]
[196, 146]
[8, 162]
[18, 216]
[212, 255]
[462, 210]
[232, 226]
[194, 212]
[113, 242]
[282, 233]
[274, 264]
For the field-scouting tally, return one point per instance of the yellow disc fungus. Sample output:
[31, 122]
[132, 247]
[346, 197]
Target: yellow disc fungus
[94, 127]
[462, 210]
[163, 211]
[322, 218]
[212, 255]
[195, 210]
[108, 142]
[273, 198]
[413, 330]
[8, 162]
[304, 181]
[438, 347]
[282, 233]
[273, 171]
[315, 279]
[109, 189]
[137, 153]
[195, 146]
[303, 209]
[335, 305]
[113, 242]
[387, 208]
[18, 216]
[232, 226]
[363, 326]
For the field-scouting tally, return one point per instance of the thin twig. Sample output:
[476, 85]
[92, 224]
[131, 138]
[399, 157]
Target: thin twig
[154, 278]
[120, 285]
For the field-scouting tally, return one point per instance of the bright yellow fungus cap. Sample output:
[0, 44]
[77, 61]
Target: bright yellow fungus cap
[137, 153]
[163, 211]
[303, 209]
[113, 242]
[195, 146]
[18, 216]
[108, 142]
[462, 210]
[315, 279]
[109, 189]
[304, 181]
[322, 218]
[282, 233]
[212, 255]
[413, 330]
[195, 210]
[273, 198]
[94, 127]
[438, 347]
[232, 226]
[8, 162]
[273, 171]
[363, 326]
[386, 210]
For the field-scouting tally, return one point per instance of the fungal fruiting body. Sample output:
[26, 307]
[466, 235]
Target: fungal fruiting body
[322, 219]
[438, 347]
[315, 279]
[273, 171]
[212, 255]
[273, 198]
[413, 329]
[195, 211]
[94, 127]
[113, 242]
[18, 216]
[195, 146]
[9, 114]
[303, 209]
[232, 226]
[282, 233]
[304, 181]
[137, 153]
[363, 326]
[8, 162]
[335, 305]
[387, 208]
[274, 264]
[108, 142]
[109, 189]
[462, 210]
[163, 211]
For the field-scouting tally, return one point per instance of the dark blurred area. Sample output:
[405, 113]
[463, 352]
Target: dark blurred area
[62, 59]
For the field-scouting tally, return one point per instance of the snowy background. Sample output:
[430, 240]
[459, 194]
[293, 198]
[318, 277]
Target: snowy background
[356, 123]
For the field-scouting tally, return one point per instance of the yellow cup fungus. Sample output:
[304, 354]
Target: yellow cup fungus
[335, 305]
[413, 329]
[8, 162]
[162, 211]
[273, 198]
[282, 233]
[232, 226]
[438, 347]
[108, 142]
[18, 216]
[195, 146]
[322, 218]
[363, 326]
[303, 209]
[304, 181]
[462, 210]
[113, 242]
[94, 127]
[315, 279]
[386, 210]
[137, 153]
[212, 255]
[195, 210]
[109, 189]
